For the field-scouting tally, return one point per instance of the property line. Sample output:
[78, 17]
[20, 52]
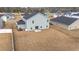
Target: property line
[13, 42]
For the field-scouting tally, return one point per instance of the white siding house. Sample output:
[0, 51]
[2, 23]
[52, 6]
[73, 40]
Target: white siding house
[36, 21]
[7, 17]
[20, 24]
[66, 22]
[1, 24]
[74, 25]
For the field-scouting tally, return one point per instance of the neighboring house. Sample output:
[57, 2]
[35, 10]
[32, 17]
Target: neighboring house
[20, 24]
[1, 24]
[35, 21]
[7, 17]
[76, 14]
[66, 22]
[72, 14]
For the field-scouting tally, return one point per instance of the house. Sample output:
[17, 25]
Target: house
[1, 24]
[20, 24]
[72, 14]
[7, 17]
[34, 21]
[66, 22]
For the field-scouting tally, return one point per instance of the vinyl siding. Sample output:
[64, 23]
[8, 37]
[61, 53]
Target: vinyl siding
[39, 20]
[1, 23]
[21, 26]
[74, 25]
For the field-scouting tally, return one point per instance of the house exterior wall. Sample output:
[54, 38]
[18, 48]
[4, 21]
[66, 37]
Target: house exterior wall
[74, 25]
[39, 20]
[20, 26]
[59, 24]
[1, 24]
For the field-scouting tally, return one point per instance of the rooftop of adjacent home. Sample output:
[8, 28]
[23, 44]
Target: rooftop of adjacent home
[64, 20]
[76, 14]
[72, 14]
[28, 15]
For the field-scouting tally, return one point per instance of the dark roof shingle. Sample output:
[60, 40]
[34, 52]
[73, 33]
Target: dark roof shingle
[76, 14]
[20, 22]
[64, 20]
[27, 16]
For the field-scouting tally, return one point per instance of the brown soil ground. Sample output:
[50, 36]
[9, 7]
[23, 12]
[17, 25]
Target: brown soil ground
[5, 42]
[47, 40]
[52, 39]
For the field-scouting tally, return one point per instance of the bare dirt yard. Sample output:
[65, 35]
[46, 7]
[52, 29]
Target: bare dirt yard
[53, 39]
[5, 42]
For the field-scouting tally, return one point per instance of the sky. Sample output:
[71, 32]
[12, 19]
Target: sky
[39, 3]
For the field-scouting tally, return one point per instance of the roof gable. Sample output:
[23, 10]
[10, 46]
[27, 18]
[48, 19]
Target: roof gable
[64, 20]
[27, 16]
[76, 14]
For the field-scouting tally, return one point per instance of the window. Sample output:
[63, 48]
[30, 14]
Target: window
[36, 27]
[40, 26]
[47, 20]
[33, 22]
[31, 28]
[46, 26]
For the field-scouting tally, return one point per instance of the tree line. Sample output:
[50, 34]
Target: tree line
[38, 9]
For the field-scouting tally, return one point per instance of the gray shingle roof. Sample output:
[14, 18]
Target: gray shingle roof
[20, 22]
[27, 16]
[64, 20]
[76, 14]
[1, 15]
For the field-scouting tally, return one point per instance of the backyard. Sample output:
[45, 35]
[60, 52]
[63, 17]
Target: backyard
[52, 39]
